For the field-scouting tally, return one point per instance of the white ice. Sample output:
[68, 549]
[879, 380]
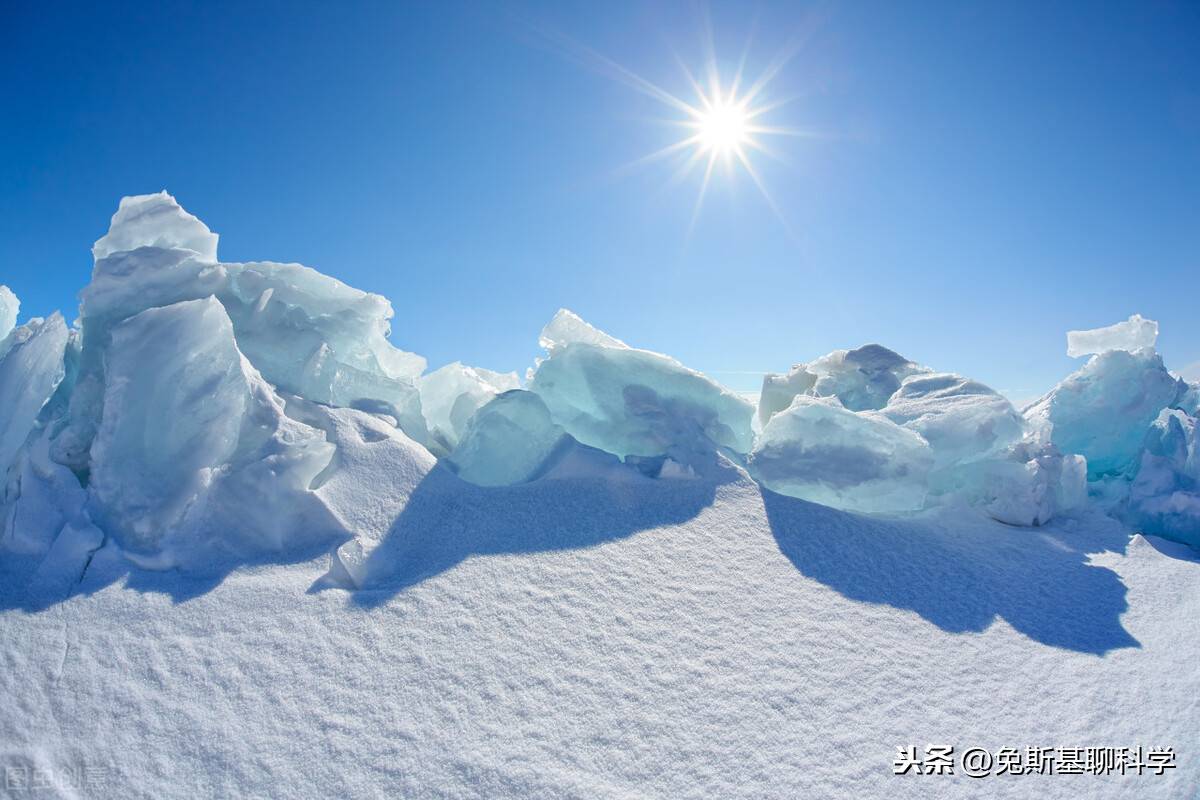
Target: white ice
[10, 306]
[30, 370]
[1132, 334]
[195, 460]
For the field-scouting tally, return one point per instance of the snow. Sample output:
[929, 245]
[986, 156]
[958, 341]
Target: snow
[248, 547]
[1134, 333]
[671, 640]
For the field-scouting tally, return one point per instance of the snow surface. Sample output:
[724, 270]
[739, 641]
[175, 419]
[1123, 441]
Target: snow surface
[248, 548]
[586, 639]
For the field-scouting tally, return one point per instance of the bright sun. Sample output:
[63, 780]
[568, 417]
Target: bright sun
[723, 128]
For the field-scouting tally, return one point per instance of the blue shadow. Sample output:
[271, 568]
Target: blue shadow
[962, 577]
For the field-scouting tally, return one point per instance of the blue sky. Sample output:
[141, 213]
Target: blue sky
[987, 175]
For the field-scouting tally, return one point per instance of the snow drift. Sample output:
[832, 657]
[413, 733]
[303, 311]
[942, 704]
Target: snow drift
[202, 414]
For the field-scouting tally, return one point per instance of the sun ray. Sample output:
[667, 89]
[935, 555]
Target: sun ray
[708, 170]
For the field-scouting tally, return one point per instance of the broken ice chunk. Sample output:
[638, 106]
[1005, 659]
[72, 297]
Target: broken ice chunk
[1164, 498]
[1103, 410]
[507, 441]
[778, 391]
[450, 396]
[567, 328]
[861, 379]
[1132, 334]
[30, 371]
[962, 419]
[9, 307]
[634, 402]
[156, 220]
[818, 451]
[194, 456]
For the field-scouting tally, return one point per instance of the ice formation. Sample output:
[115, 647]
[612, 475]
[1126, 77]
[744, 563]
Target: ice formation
[30, 371]
[450, 396]
[631, 402]
[820, 451]
[508, 441]
[195, 457]
[10, 306]
[1164, 497]
[1132, 334]
[203, 414]
[1104, 410]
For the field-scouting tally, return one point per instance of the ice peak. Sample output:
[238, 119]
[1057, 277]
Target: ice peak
[567, 328]
[1132, 334]
[155, 220]
[9, 307]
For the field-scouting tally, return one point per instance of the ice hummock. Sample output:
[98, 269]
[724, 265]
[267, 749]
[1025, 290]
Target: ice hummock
[204, 414]
[1103, 410]
[195, 458]
[1132, 334]
[31, 367]
[451, 396]
[510, 440]
[632, 402]
[818, 450]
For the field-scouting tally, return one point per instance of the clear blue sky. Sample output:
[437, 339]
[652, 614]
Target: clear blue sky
[989, 174]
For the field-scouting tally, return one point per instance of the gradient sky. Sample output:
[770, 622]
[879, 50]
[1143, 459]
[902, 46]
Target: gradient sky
[987, 175]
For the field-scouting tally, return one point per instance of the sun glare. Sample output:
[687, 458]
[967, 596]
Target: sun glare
[723, 128]
[723, 121]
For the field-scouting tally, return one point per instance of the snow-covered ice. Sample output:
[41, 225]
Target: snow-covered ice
[248, 547]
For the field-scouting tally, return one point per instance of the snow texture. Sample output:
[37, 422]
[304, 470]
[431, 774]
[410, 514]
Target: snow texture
[248, 548]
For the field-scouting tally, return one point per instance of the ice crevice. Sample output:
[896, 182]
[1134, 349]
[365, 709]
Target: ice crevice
[201, 414]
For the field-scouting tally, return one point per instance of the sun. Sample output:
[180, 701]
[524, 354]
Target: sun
[723, 128]
[724, 121]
